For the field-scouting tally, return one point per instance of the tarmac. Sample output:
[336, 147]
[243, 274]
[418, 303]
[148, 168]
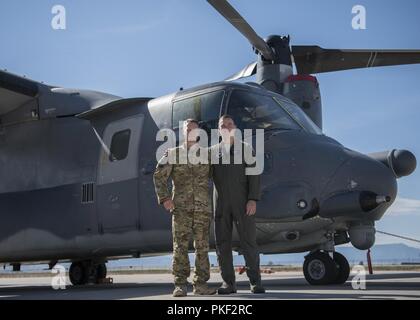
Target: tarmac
[393, 285]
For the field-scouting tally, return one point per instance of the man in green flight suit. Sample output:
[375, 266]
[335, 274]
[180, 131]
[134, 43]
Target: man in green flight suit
[191, 210]
[235, 202]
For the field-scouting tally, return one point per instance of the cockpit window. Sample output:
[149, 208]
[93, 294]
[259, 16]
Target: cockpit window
[254, 111]
[204, 108]
[298, 114]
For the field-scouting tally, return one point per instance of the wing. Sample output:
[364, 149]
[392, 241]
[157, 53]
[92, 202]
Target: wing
[24, 100]
[16, 91]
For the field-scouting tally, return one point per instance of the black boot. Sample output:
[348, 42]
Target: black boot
[257, 288]
[226, 288]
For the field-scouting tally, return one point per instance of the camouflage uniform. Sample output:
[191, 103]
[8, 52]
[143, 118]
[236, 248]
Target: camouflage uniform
[192, 213]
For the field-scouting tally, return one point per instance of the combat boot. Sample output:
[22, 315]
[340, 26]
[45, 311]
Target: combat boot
[226, 289]
[257, 288]
[180, 291]
[203, 290]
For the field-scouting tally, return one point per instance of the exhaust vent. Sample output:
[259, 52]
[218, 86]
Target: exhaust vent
[87, 193]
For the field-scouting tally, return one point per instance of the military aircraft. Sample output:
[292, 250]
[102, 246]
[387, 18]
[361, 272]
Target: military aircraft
[76, 165]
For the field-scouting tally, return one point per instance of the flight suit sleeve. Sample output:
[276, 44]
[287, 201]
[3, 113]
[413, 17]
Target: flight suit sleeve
[254, 182]
[160, 179]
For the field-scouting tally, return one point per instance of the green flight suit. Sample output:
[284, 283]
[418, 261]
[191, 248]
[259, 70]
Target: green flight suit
[233, 189]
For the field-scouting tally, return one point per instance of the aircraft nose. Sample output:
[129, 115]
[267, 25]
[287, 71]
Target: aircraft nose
[362, 186]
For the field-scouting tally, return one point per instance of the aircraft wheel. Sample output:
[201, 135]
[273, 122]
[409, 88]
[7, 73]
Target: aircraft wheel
[79, 273]
[320, 269]
[101, 272]
[343, 268]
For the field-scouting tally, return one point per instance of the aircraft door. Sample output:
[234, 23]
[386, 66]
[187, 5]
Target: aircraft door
[118, 207]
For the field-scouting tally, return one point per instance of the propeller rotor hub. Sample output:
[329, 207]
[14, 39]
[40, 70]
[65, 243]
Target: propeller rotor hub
[280, 46]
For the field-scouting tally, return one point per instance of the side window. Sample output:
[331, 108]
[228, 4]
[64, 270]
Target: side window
[119, 145]
[205, 108]
[297, 113]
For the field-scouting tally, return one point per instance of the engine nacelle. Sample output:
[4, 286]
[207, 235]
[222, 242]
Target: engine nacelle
[304, 91]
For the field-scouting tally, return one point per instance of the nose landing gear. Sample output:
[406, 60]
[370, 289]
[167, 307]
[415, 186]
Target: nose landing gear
[343, 268]
[320, 268]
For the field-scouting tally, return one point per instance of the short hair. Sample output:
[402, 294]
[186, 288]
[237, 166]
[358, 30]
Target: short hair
[226, 116]
[188, 121]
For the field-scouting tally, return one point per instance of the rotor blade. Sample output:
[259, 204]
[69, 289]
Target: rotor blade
[248, 71]
[314, 59]
[230, 14]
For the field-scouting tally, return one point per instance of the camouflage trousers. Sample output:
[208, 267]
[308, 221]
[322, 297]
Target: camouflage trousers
[184, 226]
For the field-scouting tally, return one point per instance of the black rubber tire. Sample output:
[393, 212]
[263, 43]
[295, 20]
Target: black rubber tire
[343, 268]
[78, 273]
[101, 272]
[321, 263]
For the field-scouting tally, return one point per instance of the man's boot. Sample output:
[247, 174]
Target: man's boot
[180, 291]
[226, 288]
[257, 288]
[203, 290]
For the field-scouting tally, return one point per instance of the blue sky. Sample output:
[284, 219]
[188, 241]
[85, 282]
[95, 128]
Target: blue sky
[150, 48]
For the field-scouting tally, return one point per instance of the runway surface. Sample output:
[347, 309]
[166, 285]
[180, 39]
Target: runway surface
[280, 285]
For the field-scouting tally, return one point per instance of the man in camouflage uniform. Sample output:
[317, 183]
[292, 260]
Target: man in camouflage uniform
[191, 210]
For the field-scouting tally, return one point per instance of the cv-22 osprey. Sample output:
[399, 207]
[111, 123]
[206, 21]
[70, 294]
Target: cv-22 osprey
[76, 166]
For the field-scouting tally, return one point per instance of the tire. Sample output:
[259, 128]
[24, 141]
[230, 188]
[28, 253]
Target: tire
[343, 268]
[101, 272]
[78, 273]
[320, 269]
